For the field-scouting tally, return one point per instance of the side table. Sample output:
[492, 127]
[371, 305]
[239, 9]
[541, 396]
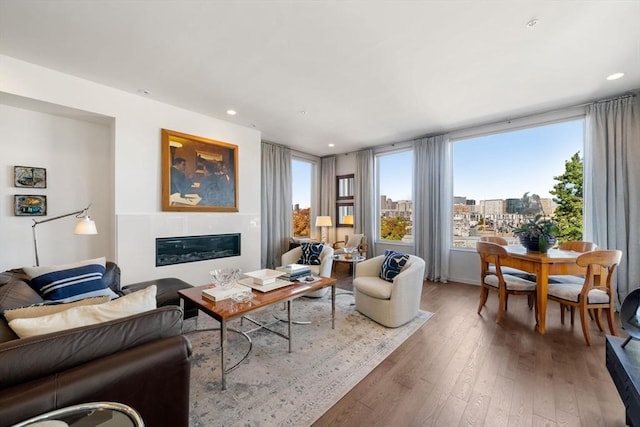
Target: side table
[352, 261]
[623, 365]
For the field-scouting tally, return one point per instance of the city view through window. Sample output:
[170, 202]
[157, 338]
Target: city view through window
[499, 182]
[502, 180]
[301, 198]
[395, 181]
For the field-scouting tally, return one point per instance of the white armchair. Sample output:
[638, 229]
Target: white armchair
[324, 269]
[391, 304]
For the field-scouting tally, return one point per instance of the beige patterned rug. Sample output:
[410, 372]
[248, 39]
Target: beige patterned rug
[273, 387]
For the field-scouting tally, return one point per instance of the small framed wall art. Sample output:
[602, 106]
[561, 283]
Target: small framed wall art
[29, 205]
[29, 177]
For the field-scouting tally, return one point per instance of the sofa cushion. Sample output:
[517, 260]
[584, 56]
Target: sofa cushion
[46, 309]
[310, 253]
[15, 292]
[392, 264]
[70, 282]
[52, 353]
[137, 302]
[373, 287]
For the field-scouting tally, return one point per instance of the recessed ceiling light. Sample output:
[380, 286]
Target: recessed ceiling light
[532, 23]
[615, 76]
[231, 112]
[303, 112]
[144, 92]
[332, 145]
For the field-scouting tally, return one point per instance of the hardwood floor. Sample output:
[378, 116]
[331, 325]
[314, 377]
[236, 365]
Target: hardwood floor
[462, 368]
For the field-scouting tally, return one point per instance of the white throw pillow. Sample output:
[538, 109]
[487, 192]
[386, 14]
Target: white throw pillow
[46, 309]
[134, 303]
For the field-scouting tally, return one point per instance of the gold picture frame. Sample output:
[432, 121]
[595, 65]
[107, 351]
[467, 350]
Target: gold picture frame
[198, 174]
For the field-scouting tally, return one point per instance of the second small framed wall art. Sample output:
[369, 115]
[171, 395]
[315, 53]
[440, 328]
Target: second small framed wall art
[29, 205]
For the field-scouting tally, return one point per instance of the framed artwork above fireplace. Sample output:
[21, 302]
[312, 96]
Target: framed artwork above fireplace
[198, 174]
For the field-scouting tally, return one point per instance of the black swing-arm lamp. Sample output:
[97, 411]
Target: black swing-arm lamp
[85, 225]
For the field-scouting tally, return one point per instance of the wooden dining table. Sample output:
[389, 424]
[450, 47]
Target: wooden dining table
[554, 262]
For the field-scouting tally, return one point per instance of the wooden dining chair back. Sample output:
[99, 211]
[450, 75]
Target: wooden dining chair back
[578, 246]
[493, 278]
[508, 270]
[495, 239]
[589, 292]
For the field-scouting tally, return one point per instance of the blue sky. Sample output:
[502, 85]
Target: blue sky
[497, 166]
[507, 165]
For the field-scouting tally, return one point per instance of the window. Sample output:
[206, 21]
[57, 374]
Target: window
[502, 179]
[395, 189]
[301, 190]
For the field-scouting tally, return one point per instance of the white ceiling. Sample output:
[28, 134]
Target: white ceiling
[365, 72]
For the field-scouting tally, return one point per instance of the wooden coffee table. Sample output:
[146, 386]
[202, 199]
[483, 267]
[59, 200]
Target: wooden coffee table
[227, 309]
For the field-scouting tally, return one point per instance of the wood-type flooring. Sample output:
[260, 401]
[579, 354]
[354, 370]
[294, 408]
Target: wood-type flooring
[463, 369]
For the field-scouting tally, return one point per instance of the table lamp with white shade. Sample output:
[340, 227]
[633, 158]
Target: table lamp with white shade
[324, 222]
[85, 225]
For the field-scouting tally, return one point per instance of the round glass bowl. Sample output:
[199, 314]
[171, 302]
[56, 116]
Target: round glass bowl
[225, 278]
[243, 297]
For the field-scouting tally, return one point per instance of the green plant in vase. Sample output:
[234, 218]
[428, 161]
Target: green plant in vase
[537, 234]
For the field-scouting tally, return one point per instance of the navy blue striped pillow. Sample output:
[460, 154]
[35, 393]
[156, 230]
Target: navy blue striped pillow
[70, 282]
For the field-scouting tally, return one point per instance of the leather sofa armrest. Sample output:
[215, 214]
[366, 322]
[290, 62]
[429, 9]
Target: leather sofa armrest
[152, 378]
[26, 359]
[112, 277]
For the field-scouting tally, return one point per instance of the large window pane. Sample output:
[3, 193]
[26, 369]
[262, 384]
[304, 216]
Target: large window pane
[395, 188]
[502, 180]
[301, 197]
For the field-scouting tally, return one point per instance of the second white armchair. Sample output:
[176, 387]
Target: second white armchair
[391, 304]
[323, 269]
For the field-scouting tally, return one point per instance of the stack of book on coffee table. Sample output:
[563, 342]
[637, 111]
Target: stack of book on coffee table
[264, 280]
[294, 272]
[218, 294]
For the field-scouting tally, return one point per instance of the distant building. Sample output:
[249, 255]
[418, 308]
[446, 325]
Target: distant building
[457, 200]
[513, 206]
[492, 207]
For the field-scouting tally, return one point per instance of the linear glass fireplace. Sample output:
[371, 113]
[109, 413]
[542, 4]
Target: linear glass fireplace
[178, 250]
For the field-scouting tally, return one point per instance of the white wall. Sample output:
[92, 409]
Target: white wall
[136, 219]
[76, 157]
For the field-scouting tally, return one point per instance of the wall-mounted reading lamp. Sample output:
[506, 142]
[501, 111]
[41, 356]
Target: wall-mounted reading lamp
[85, 225]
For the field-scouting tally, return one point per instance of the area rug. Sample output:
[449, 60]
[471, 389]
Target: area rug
[273, 387]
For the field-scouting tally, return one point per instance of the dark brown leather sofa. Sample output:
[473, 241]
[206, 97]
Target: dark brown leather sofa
[142, 361]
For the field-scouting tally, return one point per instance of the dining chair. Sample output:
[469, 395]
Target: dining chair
[578, 246]
[495, 239]
[508, 270]
[492, 278]
[585, 294]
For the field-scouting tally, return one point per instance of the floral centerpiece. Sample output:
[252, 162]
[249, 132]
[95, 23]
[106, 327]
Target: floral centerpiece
[537, 234]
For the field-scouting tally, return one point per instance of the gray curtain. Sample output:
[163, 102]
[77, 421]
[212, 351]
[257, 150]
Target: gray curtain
[328, 193]
[364, 200]
[432, 209]
[276, 204]
[612, 184]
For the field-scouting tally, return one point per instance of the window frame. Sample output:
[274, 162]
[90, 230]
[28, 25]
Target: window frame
[379, 153]
[314, 190]
[529, 122]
